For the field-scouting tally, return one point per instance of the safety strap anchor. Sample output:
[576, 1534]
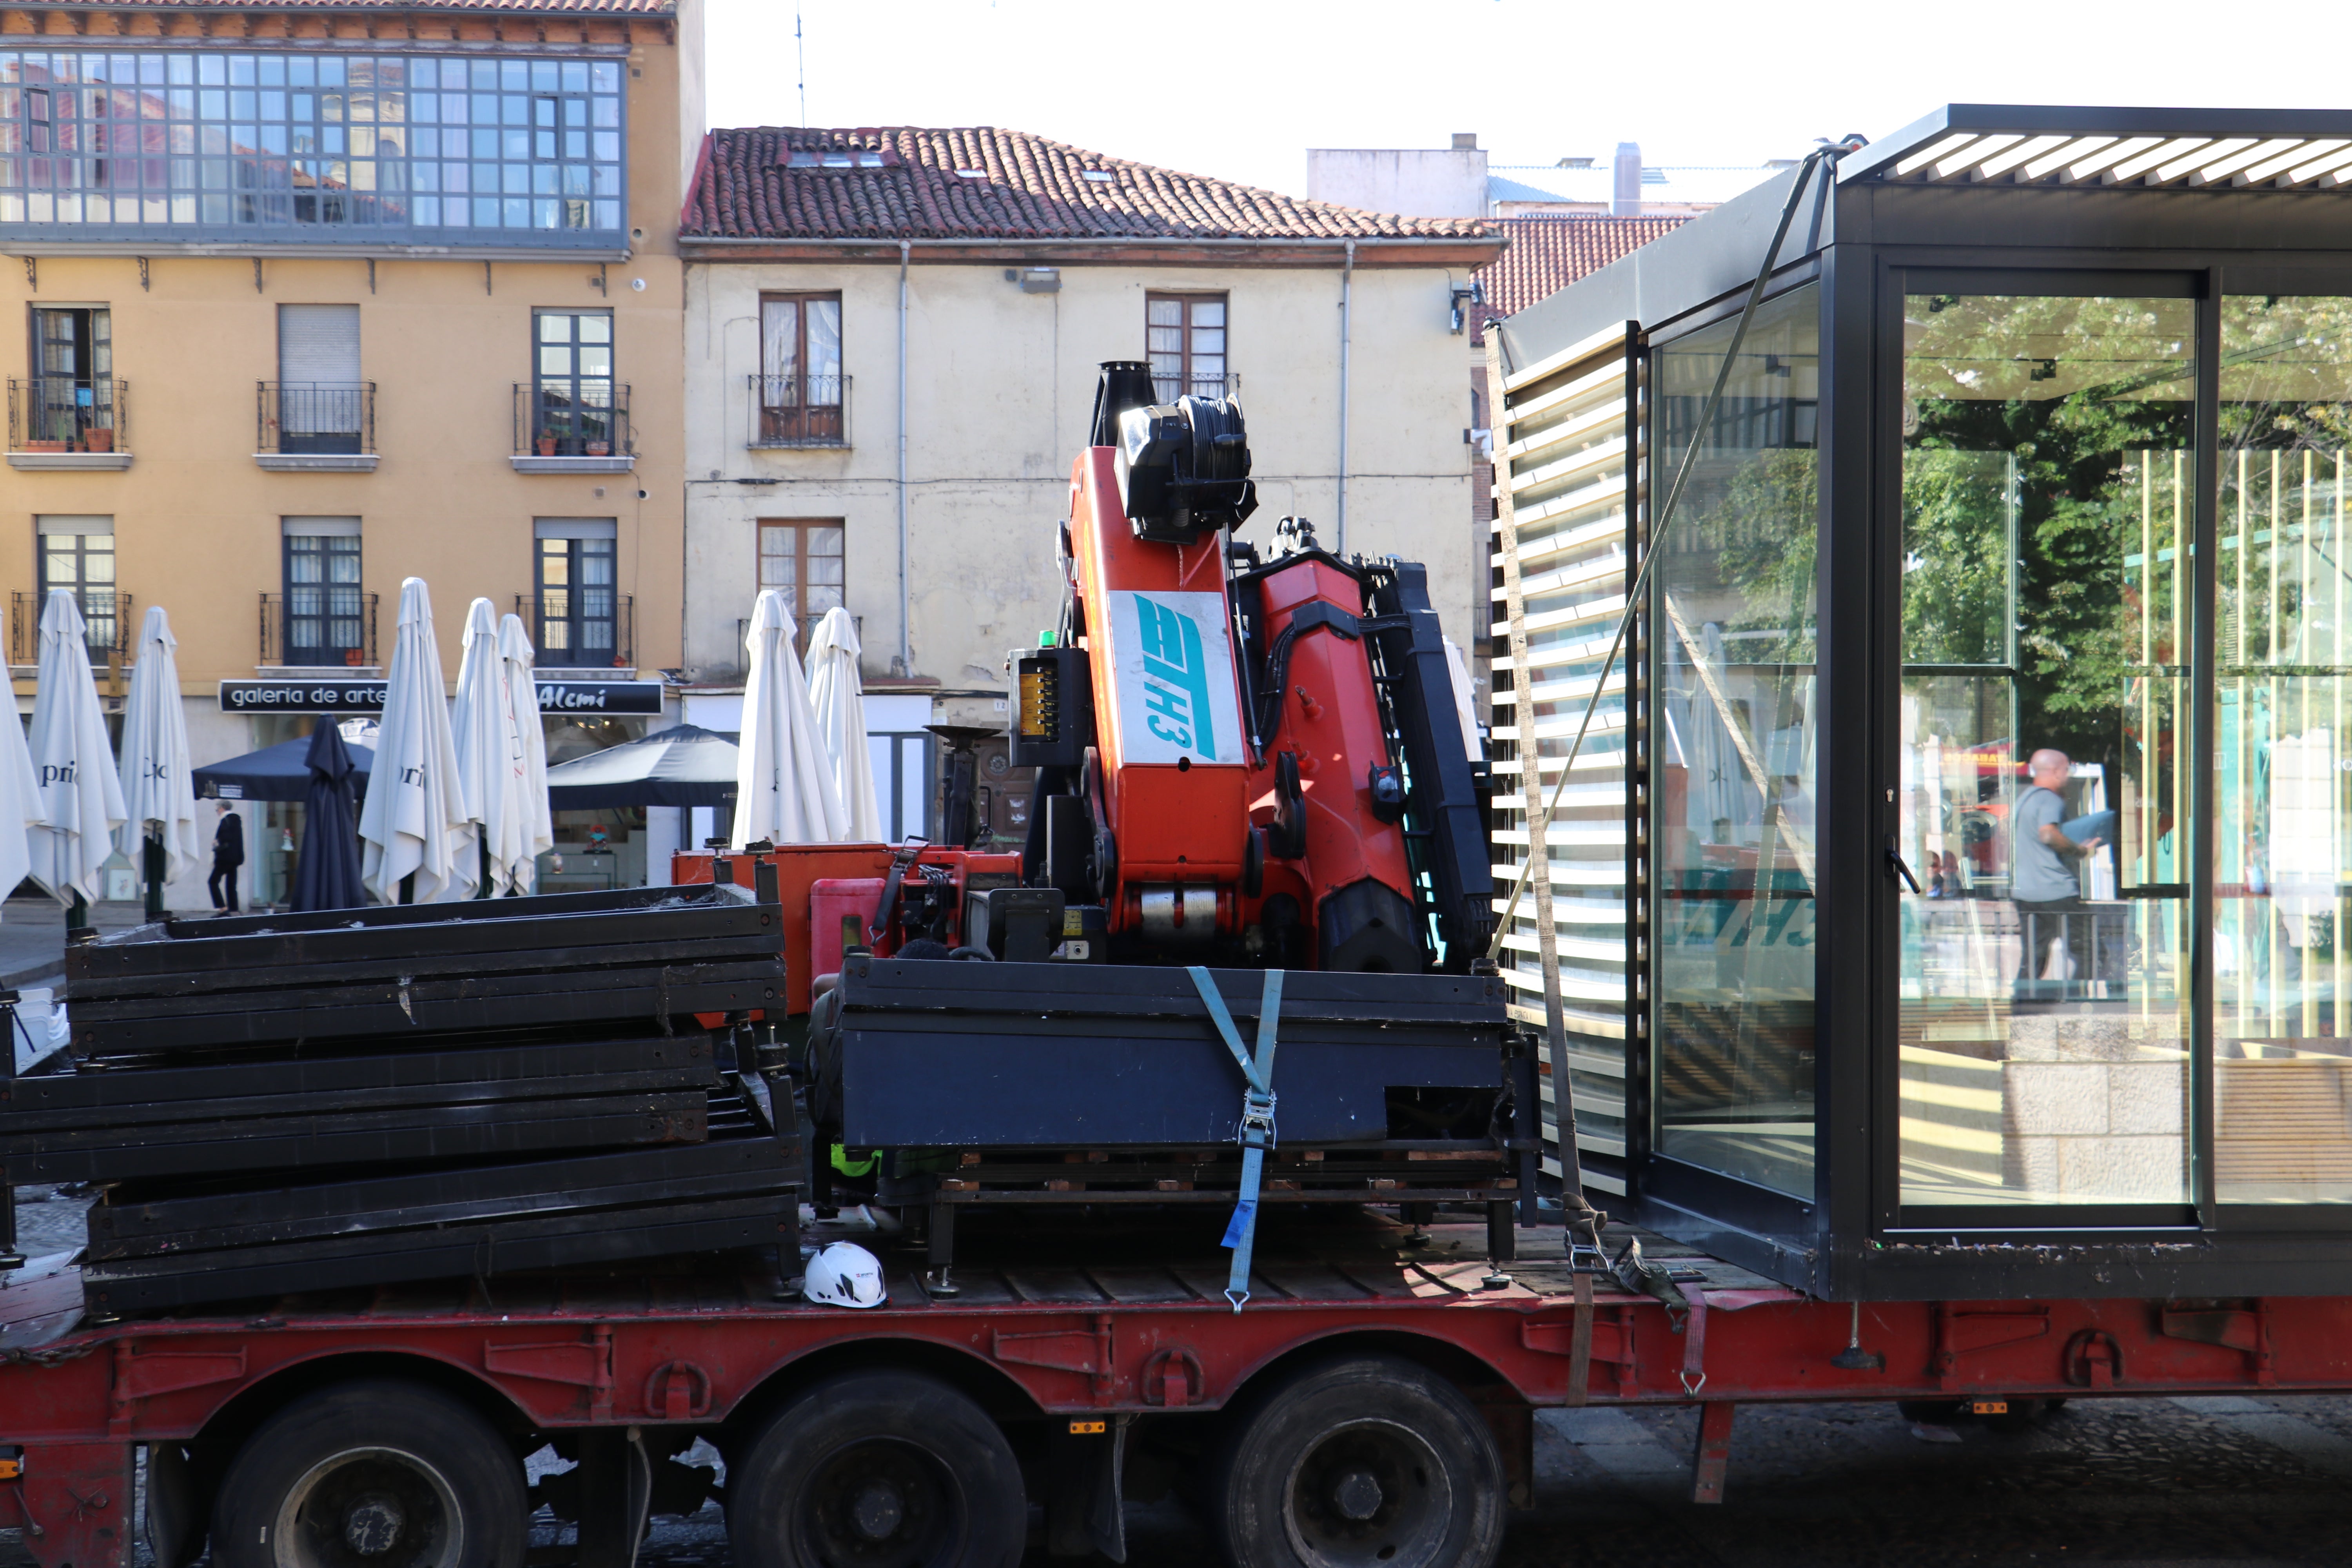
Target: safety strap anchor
[1257, 1136]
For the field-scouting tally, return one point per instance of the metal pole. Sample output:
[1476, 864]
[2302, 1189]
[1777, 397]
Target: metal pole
[1347, 325]
[906, 654]
[154, 847]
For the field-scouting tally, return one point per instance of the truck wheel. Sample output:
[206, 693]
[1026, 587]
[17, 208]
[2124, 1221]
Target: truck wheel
[878, 1469]
[1370, 1462]
[378, 1474]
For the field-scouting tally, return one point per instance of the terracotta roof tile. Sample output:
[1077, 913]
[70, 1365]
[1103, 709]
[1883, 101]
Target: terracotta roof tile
[582, 7]
[1547, 254]
[1027, 188]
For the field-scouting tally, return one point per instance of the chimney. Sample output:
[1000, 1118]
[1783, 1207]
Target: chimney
[1465, 140]
[1626, 197]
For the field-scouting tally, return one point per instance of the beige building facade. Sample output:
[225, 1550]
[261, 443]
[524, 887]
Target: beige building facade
[372, 301]
[891, 429]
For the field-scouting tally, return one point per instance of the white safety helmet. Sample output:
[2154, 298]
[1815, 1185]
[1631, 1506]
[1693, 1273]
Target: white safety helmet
[844, 1275]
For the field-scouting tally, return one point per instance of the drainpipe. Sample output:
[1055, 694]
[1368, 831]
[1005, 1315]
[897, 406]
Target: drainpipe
[1347, 288]
[905, 658]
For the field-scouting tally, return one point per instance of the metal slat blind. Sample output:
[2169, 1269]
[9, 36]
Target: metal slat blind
[1566, 465]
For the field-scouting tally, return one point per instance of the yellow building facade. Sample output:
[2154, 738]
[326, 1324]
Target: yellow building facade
[302, 301]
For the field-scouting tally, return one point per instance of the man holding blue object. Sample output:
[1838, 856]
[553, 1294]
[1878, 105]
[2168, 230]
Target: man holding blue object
[2045, 880]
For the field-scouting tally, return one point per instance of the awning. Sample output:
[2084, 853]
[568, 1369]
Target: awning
[683, 765]
[281, 772]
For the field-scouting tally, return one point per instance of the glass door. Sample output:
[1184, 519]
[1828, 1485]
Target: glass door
[2283, 774]
[2045, 819]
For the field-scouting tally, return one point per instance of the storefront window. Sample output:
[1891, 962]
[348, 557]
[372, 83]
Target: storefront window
[2282, 777]
[1735, 728]
[2047, 611]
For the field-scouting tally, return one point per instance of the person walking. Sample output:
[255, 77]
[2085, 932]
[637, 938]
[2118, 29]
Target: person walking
[2046, 883]
[229, 854]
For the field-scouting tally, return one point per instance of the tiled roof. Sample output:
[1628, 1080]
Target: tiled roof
[1549, 253]
[575, 7]
[981, 182]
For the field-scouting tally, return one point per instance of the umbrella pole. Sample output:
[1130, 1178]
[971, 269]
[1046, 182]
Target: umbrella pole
[408, 888]
[76, 919]
[482, 887]
[154, 853]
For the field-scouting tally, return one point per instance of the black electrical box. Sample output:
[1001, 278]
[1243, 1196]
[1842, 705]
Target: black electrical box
[1053, 708]
[1019, 925]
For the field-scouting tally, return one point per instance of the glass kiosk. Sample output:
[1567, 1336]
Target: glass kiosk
[1979, 818]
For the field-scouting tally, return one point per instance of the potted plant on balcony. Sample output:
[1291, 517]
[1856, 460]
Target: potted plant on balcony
[39, 446]
[547, 443]
[95, 440]
[599, 448]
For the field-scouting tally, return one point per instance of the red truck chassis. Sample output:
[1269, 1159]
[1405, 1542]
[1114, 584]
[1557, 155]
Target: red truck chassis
[1094, 1350]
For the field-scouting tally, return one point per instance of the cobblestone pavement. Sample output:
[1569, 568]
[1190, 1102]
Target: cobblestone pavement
[2186, 1483]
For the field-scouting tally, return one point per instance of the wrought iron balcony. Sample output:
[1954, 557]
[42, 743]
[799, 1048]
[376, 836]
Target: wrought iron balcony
[78, 421]
[572, 635]
[799, 410]
[106, 616]
[590, 431]
[318, 626]
[314, 425]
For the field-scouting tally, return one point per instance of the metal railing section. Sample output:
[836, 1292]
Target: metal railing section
[799, 410]
[311, 418]
[318, 626]
[551, 421]
[69, 414]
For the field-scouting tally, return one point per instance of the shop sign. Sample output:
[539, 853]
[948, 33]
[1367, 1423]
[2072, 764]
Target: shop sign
[367, 696]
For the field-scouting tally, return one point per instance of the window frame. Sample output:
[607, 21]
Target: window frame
[333, 149]
[576, 650]
[793, 409]
[1188, 302]
[111, 618]
[801, 528]
[327, 547]
[583, 423]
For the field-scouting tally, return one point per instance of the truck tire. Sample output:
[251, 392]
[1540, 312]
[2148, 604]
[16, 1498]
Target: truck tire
[1365, 1462]
[878, 1469]
[380, 1474]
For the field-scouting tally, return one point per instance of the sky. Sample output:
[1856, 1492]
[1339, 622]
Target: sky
[1241, 90]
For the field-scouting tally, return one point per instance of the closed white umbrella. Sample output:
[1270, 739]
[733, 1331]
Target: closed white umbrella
[785, 790]
[839, 701]
[522, 694]
[73, 761]
[159, 790]
[21, 809]
[414, 821]
[489, 750]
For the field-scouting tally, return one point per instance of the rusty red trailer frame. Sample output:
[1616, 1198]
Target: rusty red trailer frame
[693, 1350]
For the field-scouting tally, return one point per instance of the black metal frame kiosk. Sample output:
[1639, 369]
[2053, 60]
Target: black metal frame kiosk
[1985, 724]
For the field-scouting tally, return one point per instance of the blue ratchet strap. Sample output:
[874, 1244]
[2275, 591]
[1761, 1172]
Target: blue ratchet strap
[1257, 1116]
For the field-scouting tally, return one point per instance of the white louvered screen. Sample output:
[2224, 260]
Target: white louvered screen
[1560, 558]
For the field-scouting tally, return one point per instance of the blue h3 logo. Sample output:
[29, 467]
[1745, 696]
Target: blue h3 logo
[1175, 678]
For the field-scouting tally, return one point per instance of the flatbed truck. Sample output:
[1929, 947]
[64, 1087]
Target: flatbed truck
[1373, 1403]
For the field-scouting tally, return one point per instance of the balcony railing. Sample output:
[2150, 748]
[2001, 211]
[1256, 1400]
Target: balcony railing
[1169, 388]
[312, 418]
[584, 641]
[549, 423]
[106, 616]
[317, 627]
[803, 628]
[800, 410]
[67, 414]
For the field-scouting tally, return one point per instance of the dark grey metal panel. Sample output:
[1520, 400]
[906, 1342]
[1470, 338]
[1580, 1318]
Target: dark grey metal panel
[2092, 219]
[1710, 257]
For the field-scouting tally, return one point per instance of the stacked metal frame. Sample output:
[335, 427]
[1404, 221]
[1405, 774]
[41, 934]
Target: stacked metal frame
[1568, 493]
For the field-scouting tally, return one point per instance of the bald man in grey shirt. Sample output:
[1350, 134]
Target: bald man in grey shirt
[2046, 877]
